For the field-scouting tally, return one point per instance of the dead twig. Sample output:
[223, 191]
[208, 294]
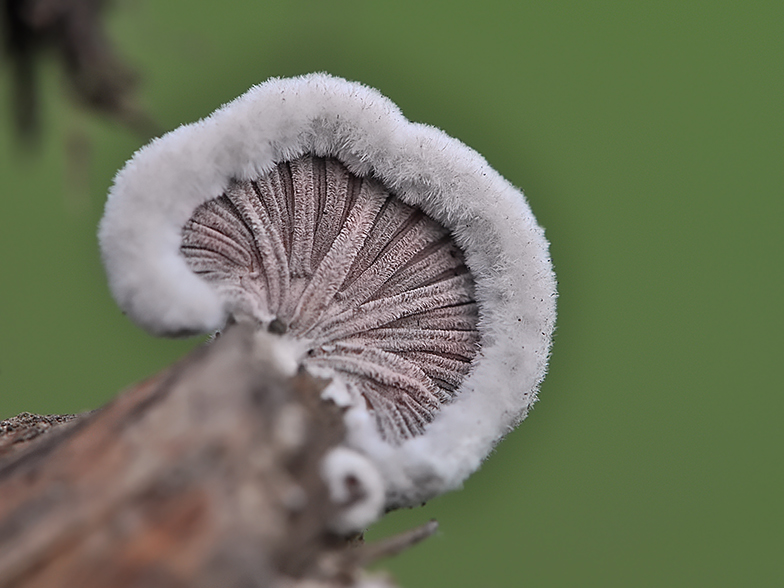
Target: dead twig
[207, 474]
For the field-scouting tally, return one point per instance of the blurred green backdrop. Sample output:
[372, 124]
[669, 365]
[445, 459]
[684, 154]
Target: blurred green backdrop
[649, 139]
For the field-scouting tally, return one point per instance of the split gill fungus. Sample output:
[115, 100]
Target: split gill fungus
[380, 253]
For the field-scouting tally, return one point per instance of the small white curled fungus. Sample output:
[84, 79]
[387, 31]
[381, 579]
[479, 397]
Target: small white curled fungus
[383, 253]
[356, 486]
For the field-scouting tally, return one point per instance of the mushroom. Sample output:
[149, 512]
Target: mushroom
[381, 253]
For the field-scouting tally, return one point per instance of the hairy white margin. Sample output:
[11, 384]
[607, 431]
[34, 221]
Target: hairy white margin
[505, 249]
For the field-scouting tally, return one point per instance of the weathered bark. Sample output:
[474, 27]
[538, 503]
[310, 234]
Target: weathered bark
[17, 432]
[207, 474]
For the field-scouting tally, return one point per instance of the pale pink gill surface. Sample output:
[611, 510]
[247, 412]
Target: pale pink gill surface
[378, 290]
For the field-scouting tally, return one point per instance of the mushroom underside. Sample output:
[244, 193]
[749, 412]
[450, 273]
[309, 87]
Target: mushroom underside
[377, 291]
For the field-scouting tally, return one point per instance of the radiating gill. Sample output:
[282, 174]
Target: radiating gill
[379, 290]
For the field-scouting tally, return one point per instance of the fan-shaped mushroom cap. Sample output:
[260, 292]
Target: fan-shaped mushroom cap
[385, 253]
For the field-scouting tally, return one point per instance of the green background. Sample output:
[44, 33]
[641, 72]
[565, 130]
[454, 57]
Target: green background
[649, 139]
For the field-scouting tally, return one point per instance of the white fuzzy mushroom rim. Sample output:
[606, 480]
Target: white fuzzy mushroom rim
[158, 190]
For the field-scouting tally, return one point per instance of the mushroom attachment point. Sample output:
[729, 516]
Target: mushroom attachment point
[383, 254]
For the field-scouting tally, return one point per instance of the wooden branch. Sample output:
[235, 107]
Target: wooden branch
[207, 474]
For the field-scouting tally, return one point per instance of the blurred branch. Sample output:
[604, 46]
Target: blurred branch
[73, 31]
[207, 474]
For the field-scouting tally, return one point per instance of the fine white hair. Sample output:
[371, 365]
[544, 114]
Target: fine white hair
[490, 220]
[354, 484]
